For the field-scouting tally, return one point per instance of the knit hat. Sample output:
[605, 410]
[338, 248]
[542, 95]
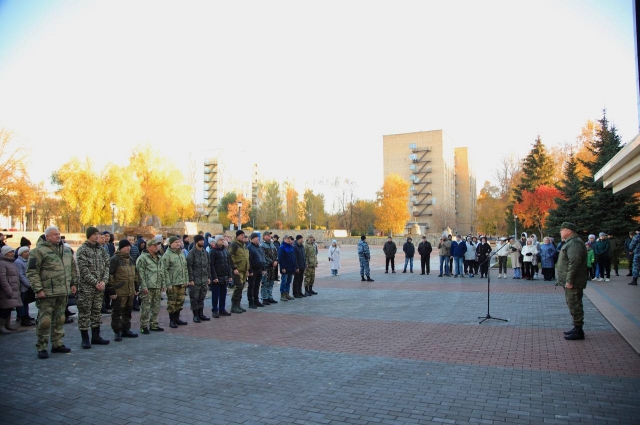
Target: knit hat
[7, 249]
[22, 250]
[239, 232]
[299, 237]
[24, 241]
[217, 238]
[254, 235]
[601, 234]
[198, 238]
[172, 239]
[123, 243]
[212, 240]
[91, 230]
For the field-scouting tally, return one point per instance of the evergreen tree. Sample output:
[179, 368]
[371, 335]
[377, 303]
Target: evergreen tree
[571, 206]
[538, 169]
[607, 212]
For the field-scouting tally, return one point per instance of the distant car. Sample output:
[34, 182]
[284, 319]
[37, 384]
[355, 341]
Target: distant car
[13, 229]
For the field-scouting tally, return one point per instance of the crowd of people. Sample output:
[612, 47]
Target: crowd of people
[105, 277]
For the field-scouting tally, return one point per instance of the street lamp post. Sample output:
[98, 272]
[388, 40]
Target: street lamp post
[23, 209]
[32, 227]
[113, 218]
[309, 220]
[8, 217]
[515, 226]
[239, 216]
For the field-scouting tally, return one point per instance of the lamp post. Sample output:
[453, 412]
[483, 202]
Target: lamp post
[113, 218]
[32, 227]
[515, 226]
[8, 217]
[309, 220]
[239, 216]
[23, 209]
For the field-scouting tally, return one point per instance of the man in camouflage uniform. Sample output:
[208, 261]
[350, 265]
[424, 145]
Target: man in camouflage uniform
[572, 274]
[311, 257]
[364, 255]
[122, 288]
[173, 269]
[199, 278]
[271, 266]
[151, 287]
[239, 255]
[93, 264]
[53, 275]
[634, 249]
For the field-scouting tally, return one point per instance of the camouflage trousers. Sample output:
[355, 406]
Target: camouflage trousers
[309, 276]
[175, 298]
[50, 321]
[364, 266]
[636, 265]
[238, 286]
[121, 313]
[150, 308]
[89, 307]
[197, 294]
[573, 297]
[266, 291]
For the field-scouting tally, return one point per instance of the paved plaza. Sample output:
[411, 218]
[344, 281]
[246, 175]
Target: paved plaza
[405, 349]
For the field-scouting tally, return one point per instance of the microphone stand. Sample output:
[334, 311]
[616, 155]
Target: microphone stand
[488, 316]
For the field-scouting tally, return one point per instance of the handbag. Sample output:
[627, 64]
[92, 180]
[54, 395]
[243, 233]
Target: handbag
[29, 296]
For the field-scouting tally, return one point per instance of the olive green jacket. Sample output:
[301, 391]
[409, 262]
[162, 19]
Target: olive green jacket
[239, 254]
[123, 277]
[52, 269]
[173, 268]
[149, 270]
[572, 263]
[310, 254]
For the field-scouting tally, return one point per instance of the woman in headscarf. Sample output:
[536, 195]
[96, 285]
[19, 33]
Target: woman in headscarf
[334, 258]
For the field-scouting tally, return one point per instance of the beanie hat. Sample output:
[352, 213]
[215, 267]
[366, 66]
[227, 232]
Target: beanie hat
[198, 238]
[254, 235]
[172, 239]
[7, 249]
[216, 239]
[212, 240]
[239, 232]
[22, 250]
[123, 243]
[24, 241]
[363, 237]
[298, 237]
[601, 234]
[91, 230]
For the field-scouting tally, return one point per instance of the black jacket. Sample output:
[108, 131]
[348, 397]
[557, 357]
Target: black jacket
[220, 263]
[424, 249]
[390, 249]
[409, 249]
[256, 257]
[300, 258]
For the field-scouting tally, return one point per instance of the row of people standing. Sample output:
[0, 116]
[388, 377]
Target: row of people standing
[460, 258]
[424, 250]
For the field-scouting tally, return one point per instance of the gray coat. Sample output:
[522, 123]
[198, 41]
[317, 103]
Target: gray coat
[198, 266]
[9, 284]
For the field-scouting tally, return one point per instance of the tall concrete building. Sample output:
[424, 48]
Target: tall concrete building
[442, 186]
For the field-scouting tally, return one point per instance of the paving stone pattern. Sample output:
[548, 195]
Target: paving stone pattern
[406, 349]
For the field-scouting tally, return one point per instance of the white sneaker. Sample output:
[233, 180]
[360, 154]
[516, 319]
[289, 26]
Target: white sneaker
[601, 280]
[606, 280]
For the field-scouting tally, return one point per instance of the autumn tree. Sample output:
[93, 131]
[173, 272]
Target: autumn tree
[489, 205]
[292, 206]
[121, 189]
[570, 206]
[80, 189]
[271, 203]
[534, 208]
[392, 213]
[16, 189]
[245, 210]
[223, 208]
[313, 207]
[364, 217]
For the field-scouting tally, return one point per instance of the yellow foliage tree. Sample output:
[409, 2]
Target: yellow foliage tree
[391, 213]
[80, 190]
[244, 211]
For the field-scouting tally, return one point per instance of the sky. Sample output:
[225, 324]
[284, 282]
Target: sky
[306, 89]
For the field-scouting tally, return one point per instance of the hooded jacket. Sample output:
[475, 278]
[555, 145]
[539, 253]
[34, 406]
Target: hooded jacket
[9, 284]
[148, 268]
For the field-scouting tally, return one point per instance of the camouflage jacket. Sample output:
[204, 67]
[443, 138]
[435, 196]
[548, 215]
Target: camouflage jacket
[239, 254]
[148, 268]
[93, 264]
[634, 246]
[270, 254]
[363, 250]
[310, 254]
[173, 269]
[123, 276]
[572, 263]
[52, 269]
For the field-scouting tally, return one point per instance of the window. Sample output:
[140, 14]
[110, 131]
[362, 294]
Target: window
[412, 146]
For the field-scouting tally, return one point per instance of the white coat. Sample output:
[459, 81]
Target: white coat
[334, 257]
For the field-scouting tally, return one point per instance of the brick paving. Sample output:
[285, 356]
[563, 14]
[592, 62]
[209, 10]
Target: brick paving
[406, 349]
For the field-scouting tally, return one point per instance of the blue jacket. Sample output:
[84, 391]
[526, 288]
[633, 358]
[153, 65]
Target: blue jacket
[547, 254]
[458, 248]
[287, 258]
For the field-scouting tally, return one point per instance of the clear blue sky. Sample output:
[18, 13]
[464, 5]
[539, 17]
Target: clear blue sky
[306, 89]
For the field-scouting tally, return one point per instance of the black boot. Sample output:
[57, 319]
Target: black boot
[311, 291]
[172, 320]
[634, 281]
[369, 279]
[196, 318]
[258, 303]
[272, 301]
[96, 338]
[577, 334]
[177, 319]
[85, 339]
[252, 304]
[129, 334]
[570, 331]
[306, 292]
[201, 315]
[362, 278]
[118, 336]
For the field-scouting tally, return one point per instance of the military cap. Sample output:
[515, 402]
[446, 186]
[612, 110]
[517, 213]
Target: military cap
[570, 226]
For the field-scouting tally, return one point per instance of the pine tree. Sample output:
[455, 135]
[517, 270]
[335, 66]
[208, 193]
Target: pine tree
[537, 170]
[571, 206]
[607, 212]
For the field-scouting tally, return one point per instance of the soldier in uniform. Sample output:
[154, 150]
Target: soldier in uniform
[271, 267]
[53, 275]
[311, 257]
[199, 278]
[572, 274]
[239, 254]
[364, 255]
[151, 287]
[634, 250]
[123, 285]
[174, 277]
[93, 264]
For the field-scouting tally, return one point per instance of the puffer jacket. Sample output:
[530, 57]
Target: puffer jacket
[9, 284]
[198, 266]
[470, 255]
[256, 257]
[21, 265]
[219, 263]
[409, 249]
